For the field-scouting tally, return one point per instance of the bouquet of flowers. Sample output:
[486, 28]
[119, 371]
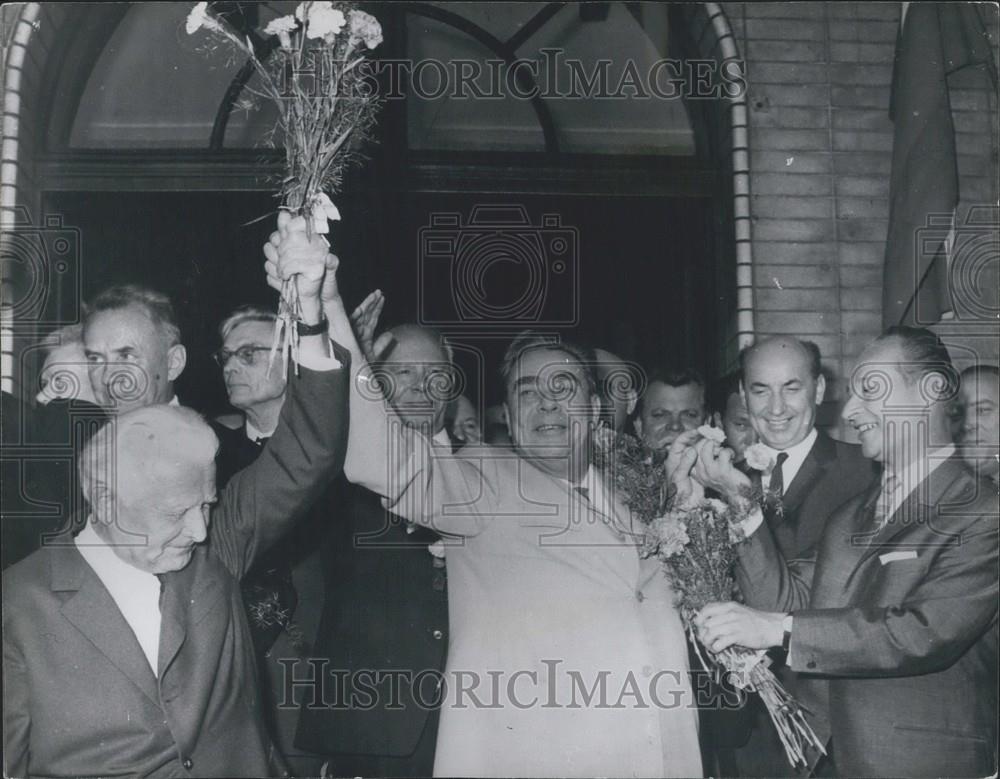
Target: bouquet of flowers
[326, 109]
[696, 545]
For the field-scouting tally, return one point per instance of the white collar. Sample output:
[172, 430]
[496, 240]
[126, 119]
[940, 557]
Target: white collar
[441, 438]
[174, 401]
[253, 433]
[796, 456]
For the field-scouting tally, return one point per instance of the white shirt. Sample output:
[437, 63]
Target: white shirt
[135, 592]
[796, 456]
[253, 433]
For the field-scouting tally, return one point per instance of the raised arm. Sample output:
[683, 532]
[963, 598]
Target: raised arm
[307, 450]
[453, 495]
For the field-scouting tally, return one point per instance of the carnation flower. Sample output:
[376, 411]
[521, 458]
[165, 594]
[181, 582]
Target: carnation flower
[322, 20]
[672, 535]
[365, 27]
[323, 210]
[712, 434]
[758, 457]
[198, 18]
[283, 26]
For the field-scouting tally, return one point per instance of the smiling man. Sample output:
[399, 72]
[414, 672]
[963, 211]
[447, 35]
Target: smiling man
[783, 385]
[812, 473]
[548, 589]
[891, 623]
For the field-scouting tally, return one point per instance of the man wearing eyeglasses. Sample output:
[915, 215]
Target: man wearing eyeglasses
[283, 591]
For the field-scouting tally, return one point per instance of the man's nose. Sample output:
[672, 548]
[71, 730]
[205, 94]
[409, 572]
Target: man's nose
[197, 525]
[675, 422]
[850, 407]
[776, 403]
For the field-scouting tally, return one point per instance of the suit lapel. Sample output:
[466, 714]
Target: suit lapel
[816, 462]
[92, 611]
[189, 594]
[920, 508]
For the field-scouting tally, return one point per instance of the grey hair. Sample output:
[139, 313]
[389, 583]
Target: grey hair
[245, 314]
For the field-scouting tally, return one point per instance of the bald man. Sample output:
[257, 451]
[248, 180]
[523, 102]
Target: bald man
[784, 386]
[386, 606]
[126, 648]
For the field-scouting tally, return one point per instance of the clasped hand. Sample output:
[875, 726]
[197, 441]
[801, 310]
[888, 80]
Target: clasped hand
[292, 252]
[694, 463]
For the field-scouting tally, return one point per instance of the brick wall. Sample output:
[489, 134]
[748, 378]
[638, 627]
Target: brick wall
[819, 76]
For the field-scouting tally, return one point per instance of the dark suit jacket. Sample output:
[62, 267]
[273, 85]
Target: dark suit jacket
[895, 632]
[79, 696]
[832, 473]
[386, 609]
[38, 477]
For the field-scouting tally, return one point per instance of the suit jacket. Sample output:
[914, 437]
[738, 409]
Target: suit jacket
[832, 473]
[895, 631]
[38, 476]
[79, 695]
[548, 598]
[386, 609]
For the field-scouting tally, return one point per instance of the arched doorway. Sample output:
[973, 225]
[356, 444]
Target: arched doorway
[702, 315]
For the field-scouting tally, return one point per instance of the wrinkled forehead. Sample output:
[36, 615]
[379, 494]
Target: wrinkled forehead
[544, 367]
[415, 347]
[126, 326]
[780, 358]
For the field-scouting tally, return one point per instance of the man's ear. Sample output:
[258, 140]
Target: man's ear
[820, 389]
[637, 424]
[505, 416]
[102, 503]
[632, 400]
[176, 360]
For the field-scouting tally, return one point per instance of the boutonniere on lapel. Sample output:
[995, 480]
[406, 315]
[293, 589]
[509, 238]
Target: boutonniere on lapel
[759, 459]
[270, 612]
[437, 552]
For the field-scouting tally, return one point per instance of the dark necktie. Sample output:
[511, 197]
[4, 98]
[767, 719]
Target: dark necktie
[262, 440]
[777, 483]
[584, 491]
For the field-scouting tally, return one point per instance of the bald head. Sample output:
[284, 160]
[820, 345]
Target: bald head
[418, 366]
[783, 385]
[149, 477]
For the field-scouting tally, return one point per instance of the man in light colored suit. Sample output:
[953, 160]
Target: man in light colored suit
[892, 623]
[566, 656]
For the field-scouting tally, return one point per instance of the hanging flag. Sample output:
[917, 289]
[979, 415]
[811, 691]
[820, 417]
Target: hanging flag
[935, 39]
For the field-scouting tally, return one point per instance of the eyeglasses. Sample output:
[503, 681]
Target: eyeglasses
[245, 354]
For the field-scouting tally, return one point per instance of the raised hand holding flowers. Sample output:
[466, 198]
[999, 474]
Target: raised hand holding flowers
[322, 119]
